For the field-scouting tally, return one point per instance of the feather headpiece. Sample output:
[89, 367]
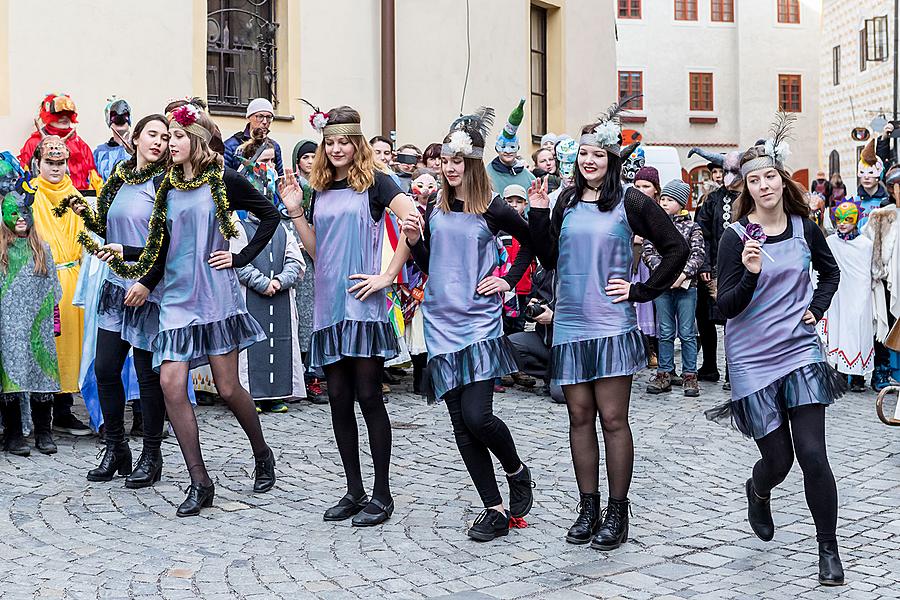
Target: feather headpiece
[775, 149]
[608, 132]
[468, 133]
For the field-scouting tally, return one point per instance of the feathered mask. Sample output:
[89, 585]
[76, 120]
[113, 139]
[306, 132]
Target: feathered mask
[776, 149]
[467, 134]
[608, 132]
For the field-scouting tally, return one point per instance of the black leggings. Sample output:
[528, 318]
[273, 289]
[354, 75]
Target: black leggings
[352, 380]
[479, 433]
[609, 397]
[112, 351]
[803, 434]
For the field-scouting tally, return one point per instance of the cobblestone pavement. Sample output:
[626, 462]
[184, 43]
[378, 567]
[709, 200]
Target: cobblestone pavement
[63, 537]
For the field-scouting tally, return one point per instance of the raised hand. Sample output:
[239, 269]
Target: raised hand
[537, 193]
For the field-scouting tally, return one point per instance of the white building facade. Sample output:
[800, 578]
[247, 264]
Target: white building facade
[856, 81]
[713, 73]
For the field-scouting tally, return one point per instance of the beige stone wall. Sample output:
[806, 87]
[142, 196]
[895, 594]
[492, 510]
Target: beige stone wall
[316, 60]
[871, 91]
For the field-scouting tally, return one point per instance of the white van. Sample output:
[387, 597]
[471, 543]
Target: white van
[664, 159]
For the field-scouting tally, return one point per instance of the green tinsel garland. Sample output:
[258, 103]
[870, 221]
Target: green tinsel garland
[212, 176]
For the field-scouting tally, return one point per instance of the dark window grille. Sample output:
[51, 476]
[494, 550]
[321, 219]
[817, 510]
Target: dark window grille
[538, 72]
[240, 53]
[836, 65]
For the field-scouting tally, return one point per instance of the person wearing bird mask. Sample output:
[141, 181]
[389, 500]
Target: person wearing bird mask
[108, 154]
[58, 117]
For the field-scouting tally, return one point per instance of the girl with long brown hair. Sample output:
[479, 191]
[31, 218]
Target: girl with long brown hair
[352, 336]
[597, 346]
[780, 380]
[28, 295]
[123, 214]
[456, 245]
[203, 317]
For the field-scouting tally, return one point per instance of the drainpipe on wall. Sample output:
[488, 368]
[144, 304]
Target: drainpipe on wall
[388, 72]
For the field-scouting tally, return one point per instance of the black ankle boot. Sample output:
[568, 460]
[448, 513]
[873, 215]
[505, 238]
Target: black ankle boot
[198, 497]
[521, 497]
[759, 513]
[831, 571]
[613, 531]
[264, 475]
[13, 440]
[41, 416]
[147, 471]
[116, 458]
[588, 520]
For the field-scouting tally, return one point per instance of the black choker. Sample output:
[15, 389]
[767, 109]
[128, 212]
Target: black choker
[593, 189]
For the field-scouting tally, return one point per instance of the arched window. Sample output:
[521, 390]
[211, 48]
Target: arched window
[834, 163]
[698, 175]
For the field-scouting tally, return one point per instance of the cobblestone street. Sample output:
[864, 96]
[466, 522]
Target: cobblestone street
[63, 537]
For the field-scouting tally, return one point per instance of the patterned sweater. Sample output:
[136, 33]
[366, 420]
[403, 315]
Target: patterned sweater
[692, 233]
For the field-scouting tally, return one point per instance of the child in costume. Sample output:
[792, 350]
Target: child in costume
[29, 295]
[51, 157]
[58, 117]
[676, 307]
[110, 153]
[506, 168]
[848, 325]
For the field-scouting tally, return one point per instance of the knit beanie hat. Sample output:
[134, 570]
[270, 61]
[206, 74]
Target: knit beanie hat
[259, 105]
[677, 190]
[508, 141]
[648, 174]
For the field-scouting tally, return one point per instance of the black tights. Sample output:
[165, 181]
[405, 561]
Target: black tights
[352, 380]
[479, 433]
[110, 358]
[803, 434]
[174, 379]
[609, 397]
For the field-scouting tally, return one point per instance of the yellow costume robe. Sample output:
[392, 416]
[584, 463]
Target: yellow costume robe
[60, 235]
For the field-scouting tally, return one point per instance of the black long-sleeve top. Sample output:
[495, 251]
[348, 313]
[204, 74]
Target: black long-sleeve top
[646, 219]
[241, 196]
[737, 284]
[499, 216]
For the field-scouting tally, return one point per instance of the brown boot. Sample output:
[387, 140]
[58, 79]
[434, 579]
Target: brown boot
[690, 385]
[660, 384]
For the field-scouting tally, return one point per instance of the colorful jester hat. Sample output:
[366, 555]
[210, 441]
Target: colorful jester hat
[846, 212]
[508, 141]
[17, 205]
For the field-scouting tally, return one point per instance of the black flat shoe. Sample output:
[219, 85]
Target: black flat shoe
[759, 513]
[831, 571]
[489, 525]
[198, 497]
[264, 475]
[346, 508]
[521, 498]
[116, 459]
[367, 519]
[147, 471]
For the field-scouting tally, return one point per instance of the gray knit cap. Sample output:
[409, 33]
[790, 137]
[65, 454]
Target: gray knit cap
[678, 191]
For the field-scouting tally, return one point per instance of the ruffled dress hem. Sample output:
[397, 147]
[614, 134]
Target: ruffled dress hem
[481, 361]
[762, 412]
[353, 339]
[195, 343]
[587, 360]
[137, 325]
